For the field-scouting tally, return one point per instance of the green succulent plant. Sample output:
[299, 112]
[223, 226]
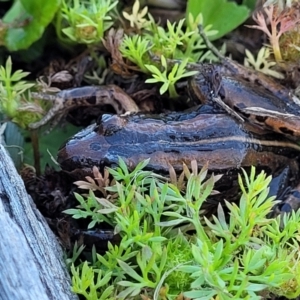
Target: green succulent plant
[169, 248]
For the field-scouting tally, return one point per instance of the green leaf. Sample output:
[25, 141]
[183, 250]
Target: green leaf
[28, 20]
[92, 224]
[76, 213]
[48, 143]
[107, 293]
[130, 271]
[130, 291]
[151, 80]
[203, 294]
[164, 88]
[141, 165]
[189, 74]
[189, 269]
[158, 239]
[71, 211]
[256, 287]
[170, 223]
[102, 281]
[122, 165]
[223, 15]
[163, 62]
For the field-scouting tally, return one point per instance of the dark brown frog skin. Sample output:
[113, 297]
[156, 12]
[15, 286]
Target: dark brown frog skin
[202, 135]
[175, 139]
[266, 108]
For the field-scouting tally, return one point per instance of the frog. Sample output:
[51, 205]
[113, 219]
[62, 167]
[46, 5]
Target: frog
[264, 111]
[203, 134]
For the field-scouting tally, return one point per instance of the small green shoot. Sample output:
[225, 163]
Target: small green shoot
[262, 62]
[91, 283]
[169, 79]
[85, 22]
[136, 49]
[14, 94]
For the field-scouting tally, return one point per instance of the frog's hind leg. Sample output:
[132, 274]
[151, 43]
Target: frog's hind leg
[56, 111]
[283, 123]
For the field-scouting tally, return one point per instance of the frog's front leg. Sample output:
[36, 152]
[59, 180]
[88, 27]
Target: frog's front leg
[85, 96]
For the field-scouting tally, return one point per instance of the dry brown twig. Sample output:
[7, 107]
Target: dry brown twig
[112, 44]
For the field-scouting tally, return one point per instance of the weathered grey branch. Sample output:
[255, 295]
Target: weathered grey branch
[31, 259]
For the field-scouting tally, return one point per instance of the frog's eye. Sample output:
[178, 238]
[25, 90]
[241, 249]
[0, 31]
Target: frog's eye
[95, 146]
[216, 77]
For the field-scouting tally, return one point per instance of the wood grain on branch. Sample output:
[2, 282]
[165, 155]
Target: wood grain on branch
[31, 259]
